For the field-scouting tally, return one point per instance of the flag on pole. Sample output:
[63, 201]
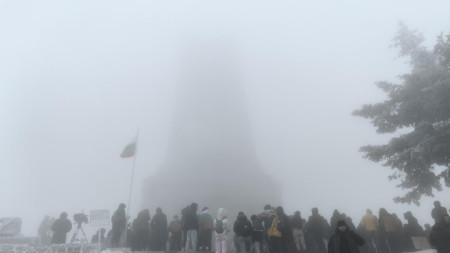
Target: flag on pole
[130, 149]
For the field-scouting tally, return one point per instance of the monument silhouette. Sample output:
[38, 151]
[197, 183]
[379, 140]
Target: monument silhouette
[211, 158]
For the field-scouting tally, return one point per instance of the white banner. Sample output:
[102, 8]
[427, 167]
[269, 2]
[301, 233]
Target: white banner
[100, 218]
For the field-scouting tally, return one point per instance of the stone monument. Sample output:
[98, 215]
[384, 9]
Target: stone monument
[211, 158]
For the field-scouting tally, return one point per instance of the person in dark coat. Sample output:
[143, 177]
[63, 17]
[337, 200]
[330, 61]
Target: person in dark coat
[317, 229]
[287, 239]
[60, 228]
[190, 225]
[348, 220]
[243, 229]
[258, 234]
[438, 212]
[184, 214]
[410, 229]
[159, 229]
[119, 224]
[141, 231]
[440, 235]
[398, 232]
[344, 240]
[297, 232]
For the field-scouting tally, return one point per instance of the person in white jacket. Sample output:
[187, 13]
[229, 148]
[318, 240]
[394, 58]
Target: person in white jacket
[221, 228]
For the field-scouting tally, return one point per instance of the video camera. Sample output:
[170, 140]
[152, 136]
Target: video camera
[80, 218]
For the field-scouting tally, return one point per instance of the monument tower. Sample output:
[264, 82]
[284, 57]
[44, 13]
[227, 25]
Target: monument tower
[211, 157]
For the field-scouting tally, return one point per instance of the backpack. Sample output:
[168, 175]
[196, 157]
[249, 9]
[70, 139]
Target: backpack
[247, 229]
[219, 226]
[257, 224]
[273, 229]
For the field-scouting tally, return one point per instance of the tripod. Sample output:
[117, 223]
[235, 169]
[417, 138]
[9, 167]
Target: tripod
[77, 236]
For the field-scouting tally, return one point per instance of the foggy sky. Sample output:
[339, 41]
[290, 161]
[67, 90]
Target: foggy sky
[78, 78]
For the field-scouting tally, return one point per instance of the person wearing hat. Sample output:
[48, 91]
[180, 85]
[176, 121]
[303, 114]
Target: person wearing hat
[344, 240]
[60, 228]
[119, 223]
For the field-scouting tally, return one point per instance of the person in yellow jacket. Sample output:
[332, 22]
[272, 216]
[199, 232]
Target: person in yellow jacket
[370, 225]
[388, 232]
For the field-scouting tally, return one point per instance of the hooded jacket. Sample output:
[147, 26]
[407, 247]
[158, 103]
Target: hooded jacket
[344, 241]
[205, 221]
[243, 227]
[191, 219]
[222, 215]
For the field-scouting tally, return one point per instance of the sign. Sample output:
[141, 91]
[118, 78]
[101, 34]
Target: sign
[420, 243]
[100, 218]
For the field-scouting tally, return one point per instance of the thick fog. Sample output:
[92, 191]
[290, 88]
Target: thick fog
[77, 78]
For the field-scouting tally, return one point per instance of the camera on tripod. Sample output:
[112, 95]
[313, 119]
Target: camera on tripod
[80, 218]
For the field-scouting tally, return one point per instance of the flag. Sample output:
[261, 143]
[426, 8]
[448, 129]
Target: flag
[129, 150]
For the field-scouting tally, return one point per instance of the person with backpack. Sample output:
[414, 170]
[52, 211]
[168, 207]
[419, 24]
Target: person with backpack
[221, 231]
[273, 232]
[243, 229]
[264, 217]
[258, 234]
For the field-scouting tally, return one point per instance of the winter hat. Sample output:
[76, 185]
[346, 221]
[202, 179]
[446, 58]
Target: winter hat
[341, 223]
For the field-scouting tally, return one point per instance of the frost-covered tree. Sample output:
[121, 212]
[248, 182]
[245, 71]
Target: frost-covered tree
[420, 106]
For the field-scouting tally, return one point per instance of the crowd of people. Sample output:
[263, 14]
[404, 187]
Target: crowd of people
[270, 231]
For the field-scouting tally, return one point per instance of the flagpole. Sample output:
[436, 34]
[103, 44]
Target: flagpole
[132, 174]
